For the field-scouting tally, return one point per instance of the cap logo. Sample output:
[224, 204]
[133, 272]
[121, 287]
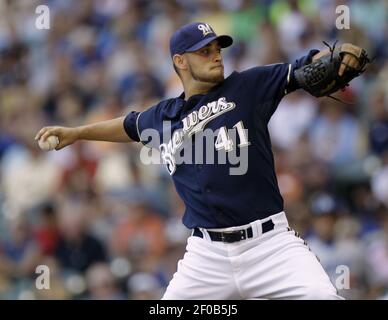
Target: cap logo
[205, 28]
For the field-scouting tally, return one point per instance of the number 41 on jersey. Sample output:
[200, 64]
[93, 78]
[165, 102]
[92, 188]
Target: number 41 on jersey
[224, 141]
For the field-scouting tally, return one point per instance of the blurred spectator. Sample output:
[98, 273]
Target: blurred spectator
[139, 234]
[46, 232]
[77, 249]
[336, 137]
[144, 286]
[290, 183]
[102, 284]
[77, 177]
[291, 120]
[337, 247]
[19, 253]
[29, 178]
[291, 27]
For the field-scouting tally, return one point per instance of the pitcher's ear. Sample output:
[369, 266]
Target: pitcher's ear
[179, 61]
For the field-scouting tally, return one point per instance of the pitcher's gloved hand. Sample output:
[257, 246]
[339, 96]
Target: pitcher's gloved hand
[332, 71]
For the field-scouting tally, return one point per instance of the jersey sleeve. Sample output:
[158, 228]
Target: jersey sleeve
[269, 84]
[142, 126]
[130, 125]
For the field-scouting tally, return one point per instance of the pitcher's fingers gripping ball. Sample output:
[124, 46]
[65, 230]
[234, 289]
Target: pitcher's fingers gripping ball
[48, 144]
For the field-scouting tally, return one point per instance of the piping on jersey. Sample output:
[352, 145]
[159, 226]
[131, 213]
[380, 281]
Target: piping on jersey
[288, 78]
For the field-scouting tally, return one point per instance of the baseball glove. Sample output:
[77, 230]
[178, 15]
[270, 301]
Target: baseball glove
[320, 78]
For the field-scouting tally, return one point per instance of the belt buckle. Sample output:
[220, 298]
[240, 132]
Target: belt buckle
[224, 234]
[243, 235]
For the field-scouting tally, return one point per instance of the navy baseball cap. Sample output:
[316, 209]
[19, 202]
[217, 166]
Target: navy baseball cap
[194, 36]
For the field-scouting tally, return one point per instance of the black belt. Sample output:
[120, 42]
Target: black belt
[234, 236]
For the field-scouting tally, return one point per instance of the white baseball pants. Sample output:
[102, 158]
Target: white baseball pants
[273, 265]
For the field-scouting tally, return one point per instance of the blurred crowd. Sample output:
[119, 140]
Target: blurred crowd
[108, 226]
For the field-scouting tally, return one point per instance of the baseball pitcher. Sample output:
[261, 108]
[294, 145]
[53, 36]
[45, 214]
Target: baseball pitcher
[241, 246]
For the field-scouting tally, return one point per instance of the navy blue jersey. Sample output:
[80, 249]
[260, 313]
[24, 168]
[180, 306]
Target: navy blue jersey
[243, 102]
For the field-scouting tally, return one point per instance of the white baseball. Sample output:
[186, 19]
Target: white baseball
[50, 143]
